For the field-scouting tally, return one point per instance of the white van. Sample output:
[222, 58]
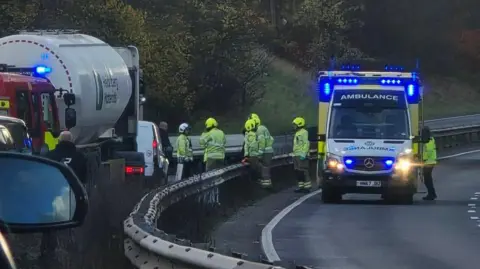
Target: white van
[148, 142]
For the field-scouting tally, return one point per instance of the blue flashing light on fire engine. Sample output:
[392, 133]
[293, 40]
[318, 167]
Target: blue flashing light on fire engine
[42, 70]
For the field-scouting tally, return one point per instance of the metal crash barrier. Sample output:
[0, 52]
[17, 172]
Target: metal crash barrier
[146, 246]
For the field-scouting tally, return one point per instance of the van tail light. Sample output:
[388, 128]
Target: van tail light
[134, 170]
[154, 144]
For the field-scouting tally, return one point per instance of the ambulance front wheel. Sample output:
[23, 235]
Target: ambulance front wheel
[330, 195]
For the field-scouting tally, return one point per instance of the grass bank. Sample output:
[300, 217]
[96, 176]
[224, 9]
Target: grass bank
[290, 92]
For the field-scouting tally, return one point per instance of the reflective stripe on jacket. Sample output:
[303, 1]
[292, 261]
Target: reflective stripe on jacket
[430, 152]
[184, 146]
[213, 142]
[265, 140]
[301, 145]
[251, 145]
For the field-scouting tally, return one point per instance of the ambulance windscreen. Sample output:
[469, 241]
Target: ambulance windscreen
[369, 115]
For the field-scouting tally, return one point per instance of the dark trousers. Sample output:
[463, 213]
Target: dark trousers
[302, 173]
[212, 164]
[255, 168]
[187, 170]
[266, 161]
[428, 180]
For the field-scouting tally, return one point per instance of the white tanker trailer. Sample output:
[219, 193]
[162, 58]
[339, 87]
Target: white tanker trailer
[104, 80]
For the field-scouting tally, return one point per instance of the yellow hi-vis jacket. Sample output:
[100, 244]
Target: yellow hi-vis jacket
[265, 140]
[251, 145]
[301, 145]
[184, 147]
[213, 142]
[430, 152]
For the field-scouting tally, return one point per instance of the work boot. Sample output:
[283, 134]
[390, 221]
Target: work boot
[300, 187]
[266, 183]
[307, 186]
[306, 190]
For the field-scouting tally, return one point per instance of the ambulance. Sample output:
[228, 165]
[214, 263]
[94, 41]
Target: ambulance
[370, 132]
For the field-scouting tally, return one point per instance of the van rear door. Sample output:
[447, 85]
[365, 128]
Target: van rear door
[145, 138]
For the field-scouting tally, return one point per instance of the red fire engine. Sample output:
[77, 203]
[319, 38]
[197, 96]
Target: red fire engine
[31, 99]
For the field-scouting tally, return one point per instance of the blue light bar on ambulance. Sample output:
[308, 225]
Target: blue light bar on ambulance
[326, 85]
[368, 80]
[410, 90]
[353, 67]
[357, 67]
[390, 81]
[42, 70]
[394, 68]
[347, 81]
[327, 88]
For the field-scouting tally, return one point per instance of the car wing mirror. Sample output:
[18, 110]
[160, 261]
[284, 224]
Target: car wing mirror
[37, 194]
[70, 117]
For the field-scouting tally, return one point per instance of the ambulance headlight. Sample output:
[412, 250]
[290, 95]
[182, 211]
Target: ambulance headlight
[403, 164]
[334, 163]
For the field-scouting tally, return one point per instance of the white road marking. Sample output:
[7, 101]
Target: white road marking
[458, 154]
[267, 239]
[477, 193]
[472, 211]
[472, 205]
[451, 118]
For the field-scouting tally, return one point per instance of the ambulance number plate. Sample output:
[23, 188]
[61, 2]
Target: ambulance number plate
[369, 183]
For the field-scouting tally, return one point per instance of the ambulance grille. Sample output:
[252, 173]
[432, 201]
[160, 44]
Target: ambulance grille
[378, 163]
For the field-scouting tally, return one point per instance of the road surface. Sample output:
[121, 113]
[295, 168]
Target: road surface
[364, 233]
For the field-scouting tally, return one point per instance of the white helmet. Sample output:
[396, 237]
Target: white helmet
[183, 127]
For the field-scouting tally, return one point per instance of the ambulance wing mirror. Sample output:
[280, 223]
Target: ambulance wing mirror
[317, 137]
[313, 135]
[70, 117]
